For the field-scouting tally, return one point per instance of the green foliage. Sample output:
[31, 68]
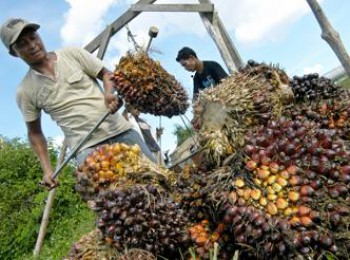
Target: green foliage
[182, 133]
[22, 203]
[344, 82]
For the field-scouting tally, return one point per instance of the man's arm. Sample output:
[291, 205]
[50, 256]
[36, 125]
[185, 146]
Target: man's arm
[38, 142]
[196, 86]
[112, 103]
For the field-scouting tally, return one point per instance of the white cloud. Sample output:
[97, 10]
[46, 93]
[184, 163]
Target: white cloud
[253, 21]
[57, 141]
[84, 20]
[250, 21]
[317, 68]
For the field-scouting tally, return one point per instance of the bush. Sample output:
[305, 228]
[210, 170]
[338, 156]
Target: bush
[22, 203]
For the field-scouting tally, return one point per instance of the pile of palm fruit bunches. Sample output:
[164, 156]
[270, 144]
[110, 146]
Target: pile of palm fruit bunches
[273, 181]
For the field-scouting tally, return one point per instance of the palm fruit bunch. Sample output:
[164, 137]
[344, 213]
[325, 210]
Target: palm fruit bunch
[137, 254]
[188, 191]
[208, 241]
[298, 174]
[330, 113]
[268, 71]
[148, 87]
[91, 247]
[312, 87]
[256, 234]
[198, 193]
[142, 216]
[242, 101]
[109, 166]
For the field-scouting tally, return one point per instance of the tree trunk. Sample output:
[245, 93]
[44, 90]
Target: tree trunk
[330, 35]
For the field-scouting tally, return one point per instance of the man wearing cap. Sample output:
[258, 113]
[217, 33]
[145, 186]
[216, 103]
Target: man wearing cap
[63, 83]
[208, 73]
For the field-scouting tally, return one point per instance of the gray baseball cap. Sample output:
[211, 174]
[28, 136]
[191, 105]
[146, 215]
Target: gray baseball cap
[12, 28]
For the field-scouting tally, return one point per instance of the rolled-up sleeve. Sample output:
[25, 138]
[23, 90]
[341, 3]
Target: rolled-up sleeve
[27, 106]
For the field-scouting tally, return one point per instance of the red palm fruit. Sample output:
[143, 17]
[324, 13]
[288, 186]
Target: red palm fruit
[263, 174]
[251, 165]
[345, 170]
[285, 174]
[295, 180]
[303, 210]
[306, 221]
[293, 169]
[274, 167]
[249, 149]
[326, 241]
[265, 160]
[306, 190]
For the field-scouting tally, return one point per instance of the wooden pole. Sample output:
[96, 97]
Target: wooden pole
[48, 207]
[219, 34]
[159, 159]
[330, 35]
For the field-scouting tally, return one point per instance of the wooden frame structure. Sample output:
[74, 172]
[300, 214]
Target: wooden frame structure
[212, 23]
[207, 12]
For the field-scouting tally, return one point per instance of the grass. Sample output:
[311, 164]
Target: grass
[344, 82]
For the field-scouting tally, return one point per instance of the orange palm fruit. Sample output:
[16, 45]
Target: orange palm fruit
[281, 203]
[255, 194]
[293, 196]
[271, 209]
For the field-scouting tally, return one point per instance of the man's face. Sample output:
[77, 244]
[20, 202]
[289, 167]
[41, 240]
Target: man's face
[29, 47]
[189, 64]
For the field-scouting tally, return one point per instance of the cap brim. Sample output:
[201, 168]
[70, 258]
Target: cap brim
[28, 25]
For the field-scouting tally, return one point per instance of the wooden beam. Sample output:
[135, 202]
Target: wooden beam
[217, 31]
[236, 57]
[119, 23]
[330, 35]
[104, 42]
[201, 8]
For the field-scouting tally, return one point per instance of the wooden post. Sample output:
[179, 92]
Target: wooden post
[104, 42]
[48, 207]
[217, 31]
[119, 23]
[330, 35]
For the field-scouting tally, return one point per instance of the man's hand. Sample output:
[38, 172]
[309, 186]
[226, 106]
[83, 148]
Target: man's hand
[112, 102]
[49, 182]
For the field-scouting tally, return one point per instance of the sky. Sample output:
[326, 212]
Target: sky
[274, 31]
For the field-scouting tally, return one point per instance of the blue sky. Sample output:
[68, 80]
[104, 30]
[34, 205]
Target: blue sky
[277, 31]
